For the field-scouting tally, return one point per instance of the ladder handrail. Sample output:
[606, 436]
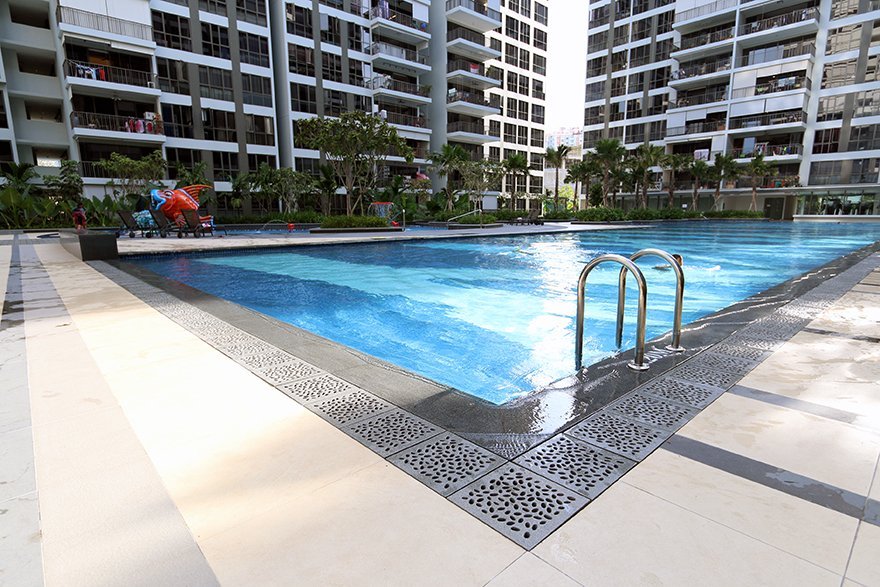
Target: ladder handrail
[639, 362]
[679, 296]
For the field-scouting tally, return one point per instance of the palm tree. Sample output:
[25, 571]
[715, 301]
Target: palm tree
[579, 173]
[757, 169]
[726, 169]
[556, 158]
[448, 160]
[517, 165]
[18, 175]
[701, 171]
[673, 163]
[646, 157]
[609, 154]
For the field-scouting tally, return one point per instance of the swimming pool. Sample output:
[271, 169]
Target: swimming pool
[494, 317]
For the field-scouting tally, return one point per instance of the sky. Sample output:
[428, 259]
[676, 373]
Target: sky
[566, 63]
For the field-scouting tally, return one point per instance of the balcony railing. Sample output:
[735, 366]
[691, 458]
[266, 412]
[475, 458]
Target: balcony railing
[475, 7]
[386, 13]
[688, 70]
[836, 179]
[388, 83]
[395, 51]
[469, 66]
[707, 38]
[705, 9]
[773, 22]
[780, 52]
[107, 73]
[101, 22]
[696, 100]
[467, 35]
[472, 127]
[779, 85]
[696, 127]
[456, 95]
[771, 181]
[129, 124]
[769, 151]
[772, 118]
[405, 119]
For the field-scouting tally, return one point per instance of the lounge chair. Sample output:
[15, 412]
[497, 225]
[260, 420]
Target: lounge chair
[531, 218]
[165, 225]
[195, 224]
[130, 224]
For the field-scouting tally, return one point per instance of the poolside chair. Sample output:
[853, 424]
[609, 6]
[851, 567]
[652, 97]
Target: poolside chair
[131, 225]
[531, 218]
[195, 224]
[165, 225]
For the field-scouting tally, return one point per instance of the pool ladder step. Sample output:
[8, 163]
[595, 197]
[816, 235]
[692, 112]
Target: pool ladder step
[628, 266]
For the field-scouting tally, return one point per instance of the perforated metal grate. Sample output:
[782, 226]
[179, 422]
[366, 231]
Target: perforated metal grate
[351, 407]
[704, 376]
[266, 360]
[576, 465]
[316, 388]
[755, 342]
[446, 463]
[689, 394]
[248, 347]
[520, 504]
[391, 432]
[287, 372]
[620, 435]
[742, 352]
[723, 363]
[651, 410]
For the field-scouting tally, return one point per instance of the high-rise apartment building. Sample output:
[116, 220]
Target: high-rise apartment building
[522, 59]
[224, 82]
[798, 82]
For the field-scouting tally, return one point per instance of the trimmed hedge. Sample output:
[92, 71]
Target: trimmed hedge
[474, 219]
[600, 214]
[307, 216]
[734, 214]
[354, 222]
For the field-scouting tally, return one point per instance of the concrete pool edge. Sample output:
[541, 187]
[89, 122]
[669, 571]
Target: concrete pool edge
[514, 427]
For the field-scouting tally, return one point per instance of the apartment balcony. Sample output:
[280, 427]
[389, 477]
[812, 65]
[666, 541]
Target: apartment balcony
[473, 133]
[696, 127]
[470, 45]
[807, 50]
[472, 75]
[22, 36]
[42, 133]
[705, 44]
[406, 120]
[796, 23]
[837, 179]
[773, 122]
[395, 91]
[473, 15]
[778, 153]
[702, 73]
[705, 16]
[472, 103]
[108, 127]
[786, 84]
[688, 100]
[398, 59]
[397, 25]
[92, 24]
[113, 80]
[771, 182]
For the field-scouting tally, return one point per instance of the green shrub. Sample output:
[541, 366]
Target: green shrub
[475, 219]
[308, 216]
[600, 214]
[354, 222]
[560, 215]
[734, 214]
[645, 214]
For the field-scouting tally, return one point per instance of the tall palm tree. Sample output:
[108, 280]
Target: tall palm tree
[673, 163]
[647, 157]
[445, 163]
[579, 173]
[609, 154]
[726, 169]
[517, 165]
[556, 158]
[757, 169]
[701, 172]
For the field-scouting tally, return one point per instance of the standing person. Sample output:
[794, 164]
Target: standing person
[79, 217]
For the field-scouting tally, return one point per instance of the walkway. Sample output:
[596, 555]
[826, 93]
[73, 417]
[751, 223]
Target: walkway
[132, 452]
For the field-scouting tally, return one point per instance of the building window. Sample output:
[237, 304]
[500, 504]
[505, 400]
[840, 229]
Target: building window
[509, 133]
[844, 39]
[172, 31]
[864, 138]
[177, 121]
[179, 159]
[257, 160]
[225, 165]
[302, 98]
[522, 135]
[495, 44]
[495, 128]
[827, 141]
[215, 6]
[260, 130]
[356, 71]
[511, 54]
[334, 103]
[537, 114]
[331, 67]
[173, 76]
[254, 49]
[219, 125]
[524, 59]
[540, 13]
[839, 74]
[540, 39]
[301, 60]
[256, 90]
[330, 30]
[537, 137]
[253, 11]
[538, 89]
[299, 21]
[539, 65]
[215, 41]
[356, 36]
[597, 42]
[215, 83]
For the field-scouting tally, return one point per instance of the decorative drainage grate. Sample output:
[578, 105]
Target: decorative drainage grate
[520, 504]
[287, 372]
[351, 407]
[687, 372]
[244, 348]
[620, 435]
[392, 431]
[446, 463]
[756, 342]
[723, 363]
[741, 352]
[270, 359]
[316, 388]
[576, 465]
[653, 411]
[689, 394]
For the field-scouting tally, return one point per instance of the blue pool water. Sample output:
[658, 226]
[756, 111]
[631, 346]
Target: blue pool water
[494, 317]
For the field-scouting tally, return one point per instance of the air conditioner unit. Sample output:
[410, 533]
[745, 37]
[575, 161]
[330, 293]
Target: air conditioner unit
[149, 116]
[151, 85]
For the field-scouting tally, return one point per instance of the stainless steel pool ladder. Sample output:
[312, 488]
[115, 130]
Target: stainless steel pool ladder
[639, 361]
[675, 346]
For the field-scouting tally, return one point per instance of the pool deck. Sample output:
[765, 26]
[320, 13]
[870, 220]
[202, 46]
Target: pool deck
[132, 452]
